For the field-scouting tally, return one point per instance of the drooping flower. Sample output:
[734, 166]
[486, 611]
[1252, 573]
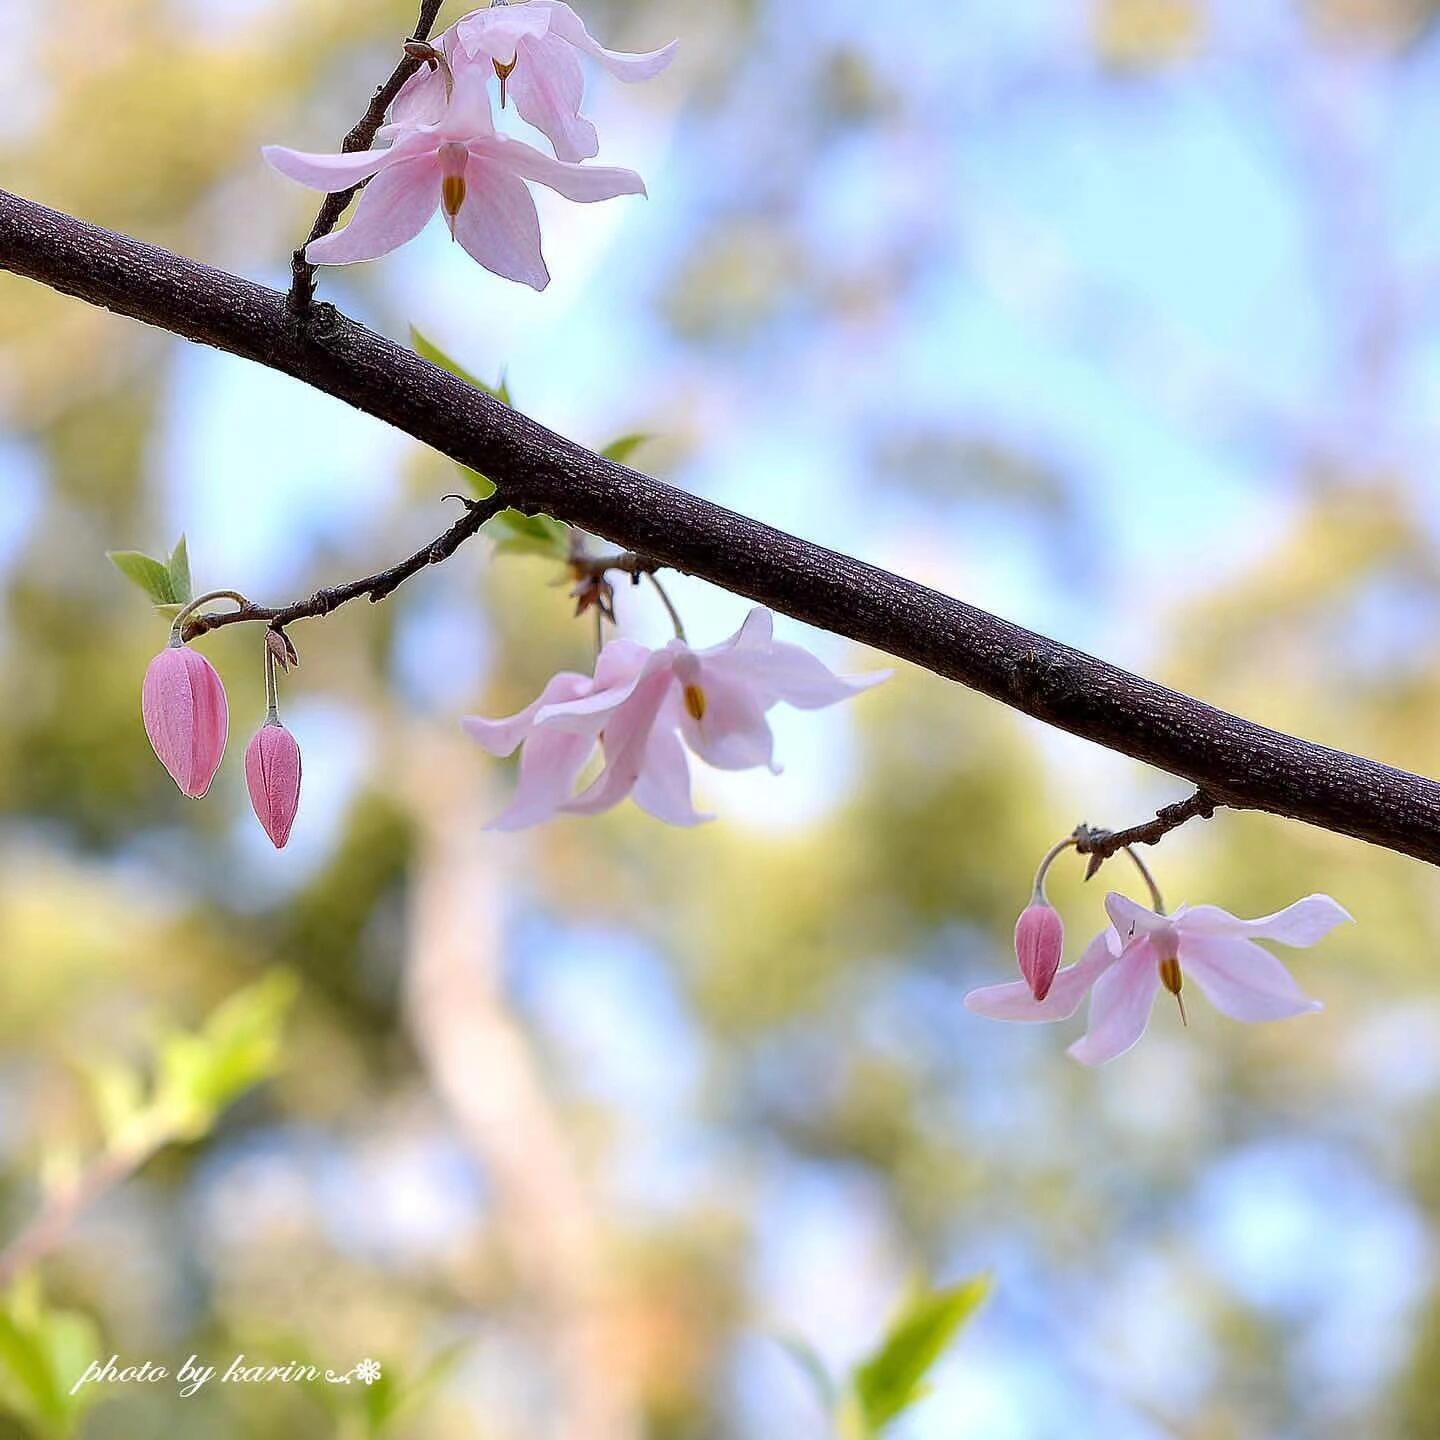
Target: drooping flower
[1039, 944]
[456, 164]
[553, 755]
[272, 773]
[186, 716]
[644, 708]
[1124, 967]
[534, 48]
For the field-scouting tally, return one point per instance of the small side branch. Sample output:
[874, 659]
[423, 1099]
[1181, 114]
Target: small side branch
[361, 137]
[376, 587]
[1100, 845]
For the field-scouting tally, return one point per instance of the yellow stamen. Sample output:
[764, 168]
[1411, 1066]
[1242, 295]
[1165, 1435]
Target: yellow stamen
[695, 702]
[1172, 980]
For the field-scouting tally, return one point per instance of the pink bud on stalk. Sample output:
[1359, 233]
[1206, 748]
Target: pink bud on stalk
[1039, 944]
[186, 716]
[272, 771]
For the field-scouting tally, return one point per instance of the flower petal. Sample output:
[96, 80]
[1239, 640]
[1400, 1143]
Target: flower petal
[731, 733]
[1014, 1001]
[565, 23]
[498, 225]
[548, 87]
[583, 183]
[394, 207]
[500, 737]
[1305, 922]
[494, 33]
[663, 786]
[1241, 979]
[550, 764]
[626, 739]
[1130, 919]
[1120, 1004]
[421, 101]
[618, 671]
[330, 173]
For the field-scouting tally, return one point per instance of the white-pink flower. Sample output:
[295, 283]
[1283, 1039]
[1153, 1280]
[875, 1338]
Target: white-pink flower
[1124, 968]
[456, 164]
[535, 47]
[644, 708]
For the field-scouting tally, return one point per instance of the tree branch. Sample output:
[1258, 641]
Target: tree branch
[1236, 762]
[376, 586]
[361, 137]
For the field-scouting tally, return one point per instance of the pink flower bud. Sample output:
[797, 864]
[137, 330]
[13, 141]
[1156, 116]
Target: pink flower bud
[186, 717]
[1039, 942]
[272, 771]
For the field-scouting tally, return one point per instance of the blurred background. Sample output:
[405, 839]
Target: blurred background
[1118, 317]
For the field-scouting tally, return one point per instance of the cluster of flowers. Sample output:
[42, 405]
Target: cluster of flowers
[187, 718]
[442, 151]
[643, 708]
[1142, 950]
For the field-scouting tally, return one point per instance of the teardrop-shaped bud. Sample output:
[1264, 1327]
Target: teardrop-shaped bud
[1039, 944]
[272, 771]
[186, 717]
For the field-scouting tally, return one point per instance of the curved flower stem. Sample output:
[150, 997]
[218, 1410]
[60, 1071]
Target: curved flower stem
[178, 626]
[1051, 855]
[272, 698]
[1144, 869]
[669, 606]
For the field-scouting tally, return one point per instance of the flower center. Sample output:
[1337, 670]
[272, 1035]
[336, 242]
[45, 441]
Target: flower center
[695, 701]
[503, 72]
[1167, 944]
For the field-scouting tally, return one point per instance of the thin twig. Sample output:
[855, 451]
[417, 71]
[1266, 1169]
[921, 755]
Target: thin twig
[361, 137]
[376, 586]
[51, 1224]
[1100, 845]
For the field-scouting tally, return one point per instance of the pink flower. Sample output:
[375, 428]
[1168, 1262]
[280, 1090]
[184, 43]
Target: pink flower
[644, 708]
[1124, 967]
[186, 717]
[272, 773]
[534, 47]
[459, 165]
[1039, 943]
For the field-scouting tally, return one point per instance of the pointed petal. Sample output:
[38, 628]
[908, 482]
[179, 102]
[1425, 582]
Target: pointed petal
[1120, 1005]
[494, 33]
[498, 225]
[548, 87]
[1303, 923]
[500, 737]
[1241, 979]
[1130, 919]
[1014, 1001]
[394, 208]
[565, 23]
[663, 786]
[582, 183]
[550, 764]
[421, 101]
[329, 173]
[626, 739]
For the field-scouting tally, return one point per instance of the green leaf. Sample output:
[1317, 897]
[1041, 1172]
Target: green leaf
[43, 1352]
[516, 533]
[893, 1378]
[179, 568]
[622, 449]
[118, 1091]
[153, 577]
[237, 1047]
